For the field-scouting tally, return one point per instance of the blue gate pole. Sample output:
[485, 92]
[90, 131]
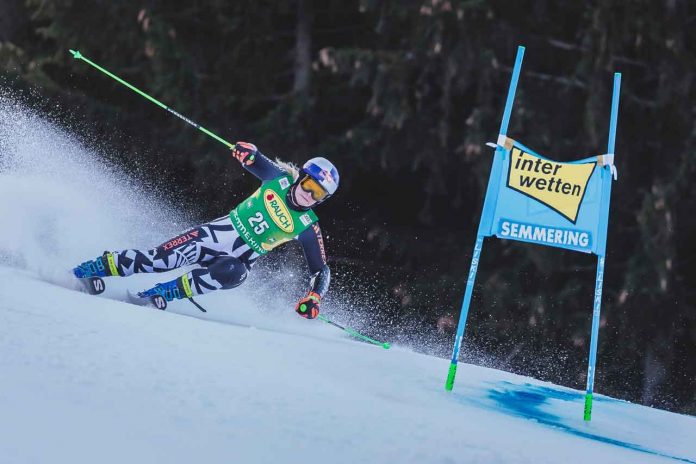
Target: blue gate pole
[464, 312]
[595, 335]
[484, 224]
[604, 220]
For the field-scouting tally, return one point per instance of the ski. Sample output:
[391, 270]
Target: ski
[154, 301]
[92, 285]
[96, 286]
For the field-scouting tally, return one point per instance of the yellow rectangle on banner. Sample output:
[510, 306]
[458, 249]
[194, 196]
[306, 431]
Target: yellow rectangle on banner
[560, 186]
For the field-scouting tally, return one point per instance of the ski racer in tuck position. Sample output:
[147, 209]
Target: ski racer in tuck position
[227, 248]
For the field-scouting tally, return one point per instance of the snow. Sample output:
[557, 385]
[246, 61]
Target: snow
[93, 379]
[89, 379]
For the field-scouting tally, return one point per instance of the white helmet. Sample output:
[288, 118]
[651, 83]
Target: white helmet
[324, 172]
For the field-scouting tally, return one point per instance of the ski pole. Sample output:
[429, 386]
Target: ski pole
[197, 305]
[355, 333]
[79, 56]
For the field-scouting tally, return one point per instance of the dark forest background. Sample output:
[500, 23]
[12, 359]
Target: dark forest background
[402, 96]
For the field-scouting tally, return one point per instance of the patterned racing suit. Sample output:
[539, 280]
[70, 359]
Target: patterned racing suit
[223, 255]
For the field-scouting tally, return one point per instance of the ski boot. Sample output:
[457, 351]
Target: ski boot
[158, 296]
[90, 273]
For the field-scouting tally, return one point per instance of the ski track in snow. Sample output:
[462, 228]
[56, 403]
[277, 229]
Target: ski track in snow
[93, 379]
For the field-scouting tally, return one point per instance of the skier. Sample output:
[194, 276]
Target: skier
[227, 248]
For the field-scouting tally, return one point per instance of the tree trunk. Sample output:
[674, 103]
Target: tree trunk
[13, 20]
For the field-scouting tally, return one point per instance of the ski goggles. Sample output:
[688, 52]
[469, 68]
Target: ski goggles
[313, 187]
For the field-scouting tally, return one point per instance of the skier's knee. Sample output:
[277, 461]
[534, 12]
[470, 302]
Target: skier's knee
[229, 271]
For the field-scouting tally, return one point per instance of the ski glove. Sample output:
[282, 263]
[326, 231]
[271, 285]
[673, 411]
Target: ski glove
[308, 307]
[245, 152]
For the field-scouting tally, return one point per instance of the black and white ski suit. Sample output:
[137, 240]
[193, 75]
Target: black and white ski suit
[224, 257]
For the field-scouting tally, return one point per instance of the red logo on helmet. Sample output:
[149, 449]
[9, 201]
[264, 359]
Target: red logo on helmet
[326, 175]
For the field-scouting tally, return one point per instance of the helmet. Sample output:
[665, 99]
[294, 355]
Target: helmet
[324, 173]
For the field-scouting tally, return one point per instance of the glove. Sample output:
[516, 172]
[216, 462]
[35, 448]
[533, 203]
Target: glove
[245, 152]
[308, 307]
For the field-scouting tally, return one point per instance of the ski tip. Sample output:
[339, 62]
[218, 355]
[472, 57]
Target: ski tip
[386, 346]
[76, 54]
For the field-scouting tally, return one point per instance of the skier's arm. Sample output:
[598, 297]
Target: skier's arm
[256, 162]
[320, 274]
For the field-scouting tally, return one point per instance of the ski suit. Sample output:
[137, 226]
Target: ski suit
[227, 248]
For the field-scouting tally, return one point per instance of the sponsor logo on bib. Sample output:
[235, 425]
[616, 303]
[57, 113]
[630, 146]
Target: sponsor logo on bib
[306, 220]
[272, 243]
[278, 211]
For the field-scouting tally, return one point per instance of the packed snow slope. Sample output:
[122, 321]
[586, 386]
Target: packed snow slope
[88, 379]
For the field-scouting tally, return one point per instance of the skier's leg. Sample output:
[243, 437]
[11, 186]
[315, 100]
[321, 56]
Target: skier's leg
[223, 272]
[128, 262]
[226, 270]
[225, 259]
[197, 245]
